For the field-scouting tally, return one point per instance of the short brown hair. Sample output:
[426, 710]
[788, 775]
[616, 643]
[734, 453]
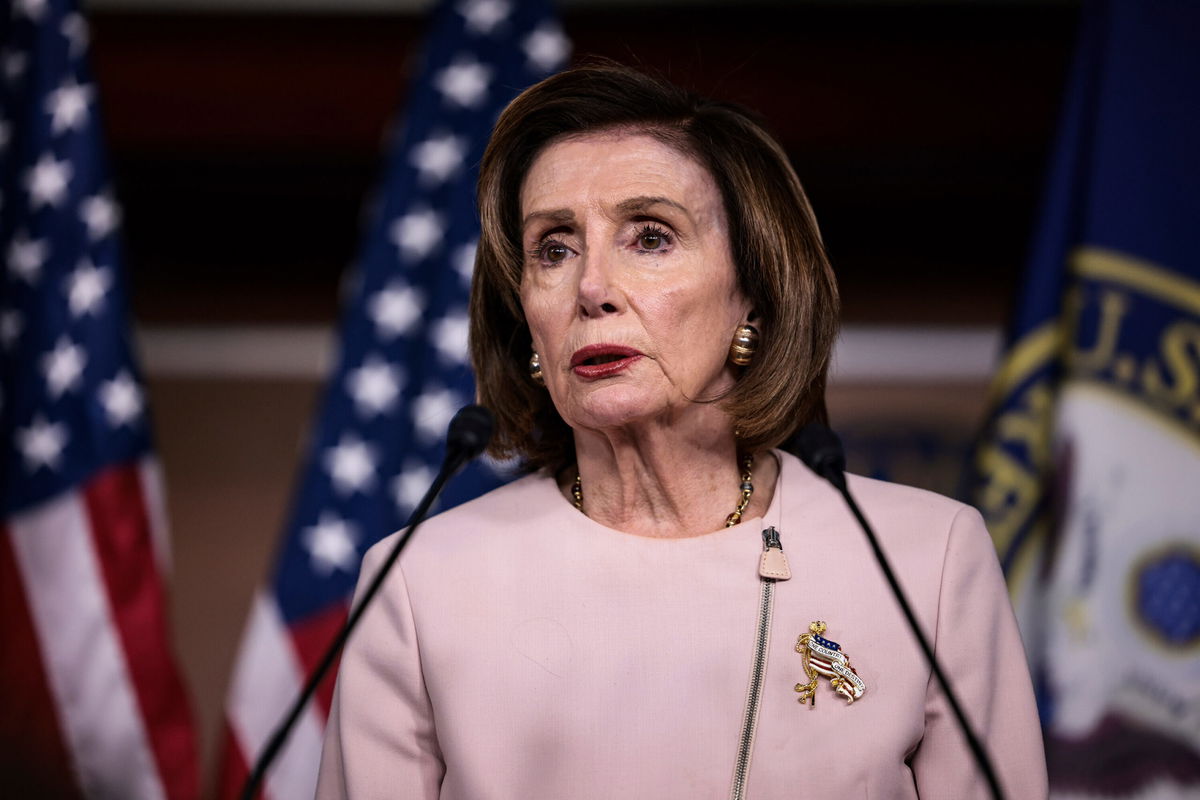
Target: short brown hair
[776, 245]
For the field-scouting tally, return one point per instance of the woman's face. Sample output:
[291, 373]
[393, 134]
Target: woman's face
[628, 287]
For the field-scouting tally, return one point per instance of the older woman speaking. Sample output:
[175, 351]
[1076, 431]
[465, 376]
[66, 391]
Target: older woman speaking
[668, 606]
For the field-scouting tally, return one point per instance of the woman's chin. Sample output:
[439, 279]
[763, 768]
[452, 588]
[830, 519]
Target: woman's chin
[615, 407]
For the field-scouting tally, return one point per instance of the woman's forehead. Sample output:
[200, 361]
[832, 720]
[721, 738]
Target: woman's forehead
[616, 170]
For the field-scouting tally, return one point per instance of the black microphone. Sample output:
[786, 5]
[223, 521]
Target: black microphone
[470, 431]
[821, 450]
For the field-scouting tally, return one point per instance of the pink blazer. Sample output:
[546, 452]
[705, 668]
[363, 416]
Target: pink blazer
[521, 650]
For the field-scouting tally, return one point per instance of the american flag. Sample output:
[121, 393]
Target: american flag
[401, 374]
[819, 662]
[93, 705]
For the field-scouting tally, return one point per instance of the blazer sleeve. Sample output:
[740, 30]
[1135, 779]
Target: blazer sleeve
[380, 740]
[978, 644]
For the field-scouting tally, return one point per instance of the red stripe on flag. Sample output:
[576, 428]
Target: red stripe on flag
[33, 757]
[311, 638]
[121, 533]
[234, 770]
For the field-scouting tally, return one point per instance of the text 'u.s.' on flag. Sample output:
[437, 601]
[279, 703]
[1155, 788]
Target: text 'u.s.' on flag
[1089, 476]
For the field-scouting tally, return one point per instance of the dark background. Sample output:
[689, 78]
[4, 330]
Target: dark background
[244, 144]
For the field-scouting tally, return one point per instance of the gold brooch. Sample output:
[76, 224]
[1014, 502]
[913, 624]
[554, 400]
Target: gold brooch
[824, 657]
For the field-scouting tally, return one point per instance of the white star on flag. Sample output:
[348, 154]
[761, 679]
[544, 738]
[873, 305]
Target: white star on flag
[351, 464]
[14, 66]
[464, 261]
[75, 28]
[417, 233]
[47, 181]
[10, 327]
[439, 157]
[26, 257]
[77, 439]
[395, 309]
[547, 47]
[86, 287]
[464, 82]
[450, 336]
[482, 16]
[63, 367]
[42, 443]
[100, 214]
[399, 378]
[122, 400]
[410, 485]
[33, 9]
[68, 106]
[375, 386]
[432, 412]
[331, 544]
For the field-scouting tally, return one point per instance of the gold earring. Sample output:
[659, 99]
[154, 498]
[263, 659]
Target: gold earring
[535, 369]
[744, 345]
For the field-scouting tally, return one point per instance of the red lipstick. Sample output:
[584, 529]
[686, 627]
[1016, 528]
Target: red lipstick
[602, 360]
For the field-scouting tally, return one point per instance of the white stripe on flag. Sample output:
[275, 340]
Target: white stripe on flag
[267, 680]
[155, 498]
[81, 649]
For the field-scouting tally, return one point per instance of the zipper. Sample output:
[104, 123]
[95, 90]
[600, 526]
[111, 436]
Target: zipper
[771, 539]
[758, 671]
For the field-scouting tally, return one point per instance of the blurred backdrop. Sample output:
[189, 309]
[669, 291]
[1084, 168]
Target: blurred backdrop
[246, 135]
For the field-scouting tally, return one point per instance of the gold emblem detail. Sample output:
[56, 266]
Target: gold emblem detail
[823, 657]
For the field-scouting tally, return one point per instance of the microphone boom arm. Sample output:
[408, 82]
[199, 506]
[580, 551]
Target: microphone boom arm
[822, 451]
[470, 431]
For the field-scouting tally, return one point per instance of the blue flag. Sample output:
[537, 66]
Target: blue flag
[401, 375]
[1089, 472]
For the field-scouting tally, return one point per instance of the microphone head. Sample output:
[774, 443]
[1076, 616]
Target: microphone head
[470, 431]
[821, 450]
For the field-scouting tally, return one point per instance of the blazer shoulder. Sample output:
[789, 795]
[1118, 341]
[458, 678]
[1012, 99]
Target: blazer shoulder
[485, 518]
[506, 505]
[883, 496]
[909, 519]
[909, 501]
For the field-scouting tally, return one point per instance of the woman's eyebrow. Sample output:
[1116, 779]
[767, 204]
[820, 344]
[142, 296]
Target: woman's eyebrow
[631, 205]
[558, 215]
[643, 203]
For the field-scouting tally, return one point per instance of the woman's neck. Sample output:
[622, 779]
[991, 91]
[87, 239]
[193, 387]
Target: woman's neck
[660, 483]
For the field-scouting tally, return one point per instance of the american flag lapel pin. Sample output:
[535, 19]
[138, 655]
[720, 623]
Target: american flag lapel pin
[823, 657]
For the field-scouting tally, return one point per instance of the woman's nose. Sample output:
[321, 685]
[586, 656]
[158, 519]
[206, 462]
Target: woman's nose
[598, 293]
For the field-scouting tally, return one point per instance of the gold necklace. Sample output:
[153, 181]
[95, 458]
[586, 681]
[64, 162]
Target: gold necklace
[747, 489]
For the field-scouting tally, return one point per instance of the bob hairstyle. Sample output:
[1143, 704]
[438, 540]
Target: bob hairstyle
[776, 245]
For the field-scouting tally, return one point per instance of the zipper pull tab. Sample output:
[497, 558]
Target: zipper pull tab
[773, 564]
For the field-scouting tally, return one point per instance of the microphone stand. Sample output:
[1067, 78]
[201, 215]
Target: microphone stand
[821, 450]
[458, 453]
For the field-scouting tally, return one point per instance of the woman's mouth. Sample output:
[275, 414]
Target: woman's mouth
[602, 360]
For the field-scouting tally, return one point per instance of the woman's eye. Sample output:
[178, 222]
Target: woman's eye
[653, 238]
[551, 251]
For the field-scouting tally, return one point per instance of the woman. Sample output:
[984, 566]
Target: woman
[652, 314]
